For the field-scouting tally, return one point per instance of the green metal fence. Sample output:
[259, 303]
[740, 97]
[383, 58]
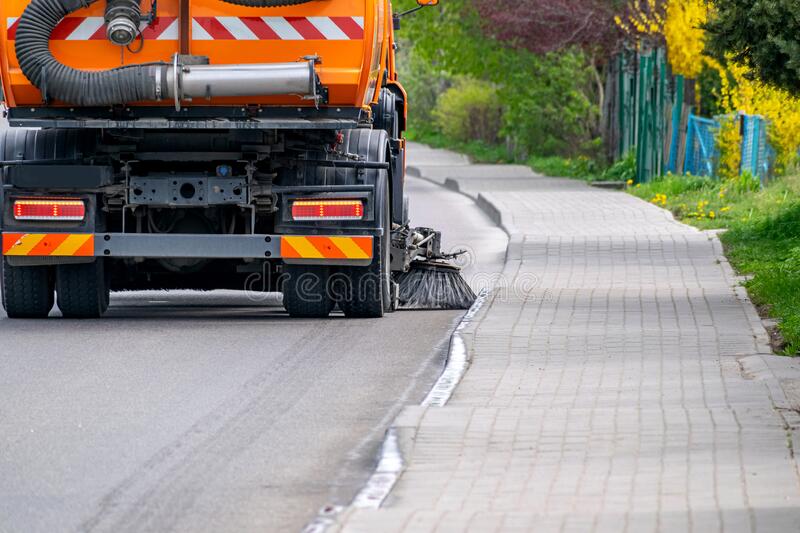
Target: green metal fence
[649, 111]
[640, 98]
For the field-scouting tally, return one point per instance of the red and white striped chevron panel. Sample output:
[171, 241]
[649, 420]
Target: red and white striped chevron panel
[93, 29]
[277, 28]
[217, 28]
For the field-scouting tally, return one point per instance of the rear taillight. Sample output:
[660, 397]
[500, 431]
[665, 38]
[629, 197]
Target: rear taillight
[327, 210]
[49, 209]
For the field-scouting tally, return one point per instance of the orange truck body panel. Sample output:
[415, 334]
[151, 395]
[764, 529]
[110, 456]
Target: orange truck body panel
[353, 59]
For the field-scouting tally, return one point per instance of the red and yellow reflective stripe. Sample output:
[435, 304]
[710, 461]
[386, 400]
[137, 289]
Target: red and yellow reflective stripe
[304, 247]
[49, 244]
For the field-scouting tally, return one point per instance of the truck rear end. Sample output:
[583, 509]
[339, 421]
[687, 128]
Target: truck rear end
[202, 144]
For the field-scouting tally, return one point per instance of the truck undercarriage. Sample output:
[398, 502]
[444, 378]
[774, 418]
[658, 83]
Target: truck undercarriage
[207, 209]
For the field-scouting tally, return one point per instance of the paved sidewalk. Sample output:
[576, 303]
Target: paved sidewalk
[620, 381]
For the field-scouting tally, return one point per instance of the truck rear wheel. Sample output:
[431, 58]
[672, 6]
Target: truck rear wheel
[83, 289]
[368, 291]
[28, 292]
[305, 291]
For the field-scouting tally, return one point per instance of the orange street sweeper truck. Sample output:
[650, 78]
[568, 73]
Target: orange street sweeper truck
[203, 144]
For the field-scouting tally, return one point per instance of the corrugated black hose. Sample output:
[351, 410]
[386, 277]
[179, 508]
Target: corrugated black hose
[134, 83]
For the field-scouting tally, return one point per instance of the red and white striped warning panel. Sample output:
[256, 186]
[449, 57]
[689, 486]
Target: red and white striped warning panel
[94, 29]
[277, 28]
[217, 28]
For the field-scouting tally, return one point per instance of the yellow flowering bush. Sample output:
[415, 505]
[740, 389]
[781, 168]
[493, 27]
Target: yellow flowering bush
[781, 110]
[644, 17]
[729, 142]
[685, 38]
[678, 21]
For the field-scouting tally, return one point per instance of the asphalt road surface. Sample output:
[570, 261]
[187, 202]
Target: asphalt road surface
[209, 411]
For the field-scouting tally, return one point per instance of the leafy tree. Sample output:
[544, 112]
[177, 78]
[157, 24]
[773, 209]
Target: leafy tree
[548, 100]
[544, 26]
[762, 35]
[556, 26]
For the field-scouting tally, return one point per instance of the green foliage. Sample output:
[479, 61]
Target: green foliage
[548, 107]
[744, 183]
[548, 101]
[763, 236]
[424, 82]
[675, 186]
[478, 151]
[470, 110]
[580, 167]
[762, 35]
[623, 169]
[709, 87]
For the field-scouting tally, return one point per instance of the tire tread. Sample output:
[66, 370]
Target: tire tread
[295, 304]
[27, 291]
[82, 290]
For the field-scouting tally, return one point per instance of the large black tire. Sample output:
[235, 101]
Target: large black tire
[386, 115]
[371, 144]
[363, 292]
[368, 291]
[305, 291]
[83, 289]
[28, 292]
[46, 145]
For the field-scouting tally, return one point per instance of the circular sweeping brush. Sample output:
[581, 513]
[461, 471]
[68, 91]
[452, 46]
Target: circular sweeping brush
[434, 285]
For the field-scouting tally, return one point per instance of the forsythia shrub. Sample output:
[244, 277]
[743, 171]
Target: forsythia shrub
[685, 38]
[644, 17]
[470, 110]
[782, 110]
[729, 142]
[679, 22]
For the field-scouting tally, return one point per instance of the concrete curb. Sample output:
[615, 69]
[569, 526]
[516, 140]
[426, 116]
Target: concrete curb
[764, 365]
[488, 204]
[759, 331]
[401, 435]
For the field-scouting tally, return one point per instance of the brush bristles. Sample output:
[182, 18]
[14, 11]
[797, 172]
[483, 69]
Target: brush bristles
[433, 288]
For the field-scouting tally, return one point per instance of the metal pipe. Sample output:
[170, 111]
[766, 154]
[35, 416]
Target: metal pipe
[262, 79]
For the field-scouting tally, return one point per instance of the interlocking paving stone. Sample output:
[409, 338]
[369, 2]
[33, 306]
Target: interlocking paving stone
[609, 386]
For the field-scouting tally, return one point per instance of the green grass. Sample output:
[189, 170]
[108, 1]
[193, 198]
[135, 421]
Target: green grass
[763, 237]
[479, 152]
[579, 167]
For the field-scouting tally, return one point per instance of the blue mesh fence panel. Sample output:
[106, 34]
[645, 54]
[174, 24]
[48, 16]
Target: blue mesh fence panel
[701, 146]
[756, 152]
